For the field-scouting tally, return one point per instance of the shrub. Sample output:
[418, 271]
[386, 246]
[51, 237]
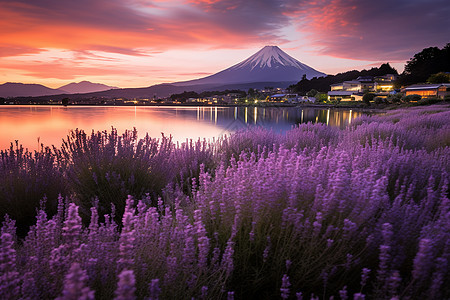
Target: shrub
[367, 97]
[103, 168]
[28, 181]
[380, 100]
[321, 97]
[428, 101]
[410, 98]
[395, 98]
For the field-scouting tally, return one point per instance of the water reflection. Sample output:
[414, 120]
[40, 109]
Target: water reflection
[50, 125]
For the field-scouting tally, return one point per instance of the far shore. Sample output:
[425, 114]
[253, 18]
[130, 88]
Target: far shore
[354, 106]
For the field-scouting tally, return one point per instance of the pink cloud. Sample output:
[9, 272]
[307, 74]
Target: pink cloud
[372, 30]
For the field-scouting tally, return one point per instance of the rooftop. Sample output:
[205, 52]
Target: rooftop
[426, 86]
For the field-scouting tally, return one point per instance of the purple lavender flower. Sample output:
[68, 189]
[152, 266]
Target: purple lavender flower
[343, 293]
[9, 277]
[230, 295]
[423, 260]
[359, 296]
[126, 286]
[72, 227]
[285, 287]
[394, 282]
[364, 276]
[227, 259]
[75, 285]
[154, 289]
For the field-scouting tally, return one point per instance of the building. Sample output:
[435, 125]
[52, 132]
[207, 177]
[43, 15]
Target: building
[353, 90]
[385, 83]
[352, 85]
[438, 90]
[291, 98]
[345, 96]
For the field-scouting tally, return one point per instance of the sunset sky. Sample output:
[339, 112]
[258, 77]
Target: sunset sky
[136, 43]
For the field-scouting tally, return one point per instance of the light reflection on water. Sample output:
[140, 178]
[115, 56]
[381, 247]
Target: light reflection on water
[50, 124]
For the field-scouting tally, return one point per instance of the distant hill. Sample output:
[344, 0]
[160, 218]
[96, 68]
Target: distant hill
[155, 91]
[322, 84]
[161, 91]
[85, 87]
[12, 89]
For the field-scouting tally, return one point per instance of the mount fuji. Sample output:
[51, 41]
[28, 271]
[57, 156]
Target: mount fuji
[270, 64]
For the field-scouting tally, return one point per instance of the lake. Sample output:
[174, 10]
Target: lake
[33, 125]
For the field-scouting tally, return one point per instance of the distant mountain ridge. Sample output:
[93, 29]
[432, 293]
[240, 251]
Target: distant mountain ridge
[15, 89]
[85, 87]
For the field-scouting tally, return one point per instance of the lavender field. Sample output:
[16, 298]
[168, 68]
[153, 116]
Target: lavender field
[316, 213]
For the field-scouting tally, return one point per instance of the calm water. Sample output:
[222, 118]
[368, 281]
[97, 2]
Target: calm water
[32, 125]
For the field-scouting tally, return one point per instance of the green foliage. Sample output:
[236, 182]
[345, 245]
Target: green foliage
[321, 97]
[396, 98]
[367, 98]
[411, 98]
[440, 77]
[429, 61]
[312, 93]
[336, 100]
[428, 101]
[380, 100]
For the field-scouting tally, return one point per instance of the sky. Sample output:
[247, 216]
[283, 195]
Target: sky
[138, 43]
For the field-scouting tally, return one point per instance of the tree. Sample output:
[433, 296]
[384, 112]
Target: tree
[321, 97]
[65, 101]
[429, 61]
[413, 98]
[312, 93]
[367, 98]
[2, 100]
[440, 77]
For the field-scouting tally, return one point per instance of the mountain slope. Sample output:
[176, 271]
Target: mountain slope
[12, 89]
[85, 87]
[270, 64]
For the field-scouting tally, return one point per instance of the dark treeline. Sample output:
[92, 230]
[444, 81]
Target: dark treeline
[182, 97]
[429, 61]
[322, 84]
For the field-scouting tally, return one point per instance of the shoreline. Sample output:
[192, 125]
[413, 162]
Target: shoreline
[264, 105]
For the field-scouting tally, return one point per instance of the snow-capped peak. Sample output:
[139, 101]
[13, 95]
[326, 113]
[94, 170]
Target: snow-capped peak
[270, 56]
[270, 64]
